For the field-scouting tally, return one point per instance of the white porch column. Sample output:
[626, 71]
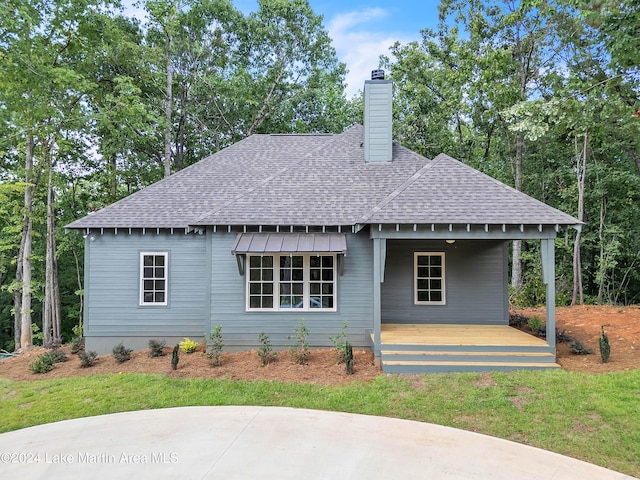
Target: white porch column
[547, 249]
[379, 256]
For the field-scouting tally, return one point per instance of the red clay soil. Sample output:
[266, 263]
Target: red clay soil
[582, 323]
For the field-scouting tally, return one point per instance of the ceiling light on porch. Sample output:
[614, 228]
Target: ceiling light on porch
[451, 241]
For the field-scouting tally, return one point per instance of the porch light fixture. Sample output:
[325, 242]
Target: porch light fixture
[451, 241]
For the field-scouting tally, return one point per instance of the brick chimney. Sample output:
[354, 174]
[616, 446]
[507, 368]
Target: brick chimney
[377, 118]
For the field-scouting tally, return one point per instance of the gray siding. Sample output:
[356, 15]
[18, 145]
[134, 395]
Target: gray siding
[112, 309]
[476, 283]
[241, 328]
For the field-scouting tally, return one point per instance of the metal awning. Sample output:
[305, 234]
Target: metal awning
[290, 243]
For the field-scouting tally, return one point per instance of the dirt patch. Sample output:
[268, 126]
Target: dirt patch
[582, 323]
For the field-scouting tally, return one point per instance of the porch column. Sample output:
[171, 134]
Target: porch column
[547, 249]
[379, 255]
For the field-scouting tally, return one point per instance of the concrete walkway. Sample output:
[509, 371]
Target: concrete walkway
[225, 443]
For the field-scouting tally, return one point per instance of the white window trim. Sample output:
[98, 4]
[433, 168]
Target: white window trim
[142, 303]
[305, 282]
[415, 278]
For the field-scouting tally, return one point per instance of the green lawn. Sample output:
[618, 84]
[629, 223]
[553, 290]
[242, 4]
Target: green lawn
[591, 417]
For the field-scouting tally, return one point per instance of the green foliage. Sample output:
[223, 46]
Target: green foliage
[299, 350]
[77, 345]
[37, 336]
[535, 324]
[348, 358]
[340, 342]
[156, 347]
[44, 362]
[605, 348]
[265, 351]
[175, 357]
[87, 358]
[121, 354]
[577, 348]
[188, 345]
[217, 345]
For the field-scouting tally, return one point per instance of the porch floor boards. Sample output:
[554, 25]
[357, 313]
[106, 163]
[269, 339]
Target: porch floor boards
[419, 348]
[472, 335]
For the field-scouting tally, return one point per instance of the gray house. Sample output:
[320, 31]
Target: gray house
[411, 252]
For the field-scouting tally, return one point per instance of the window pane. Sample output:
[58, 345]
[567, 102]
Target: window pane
[285, 275]
[327, 275]
[327, 262]
[159, 272]
[267, 275]
[436, 260]
[314, 261]
[267, 262]
[254, 289]
[315, 302]
[297, 275]
[297, 302]
[159, 285]
[423, 284]
[297, 288]
[314, 274]
[254, 275]
[148, 297]
[159, 261]
[423, 272]
[327, 288]
[267, 302]
[423, 296]
[314, 288]
[254, 262]
[148, 285]
[435, 272]
[285, 262]
[267, 288]
[436, 284]
[147, 272]
[254, 302]
[423, 260]
[285, 288]
[147, 261]
[327, 302]
[159, 297]
[297, 261]
[436, 296]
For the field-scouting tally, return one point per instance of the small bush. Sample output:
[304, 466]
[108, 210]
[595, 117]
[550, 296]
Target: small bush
[300, 349]
[188, 345]
[77, 344]
[340, 342]
[605, 348]
[265, 352]
[563, 337]
[121, 354]
[56, 356]
[578, 348]
[348, 358]
[535, 325]
[156, 348]
[517, 320]
[175, 356]
[87, 359]
[217, 345]
[42, 364]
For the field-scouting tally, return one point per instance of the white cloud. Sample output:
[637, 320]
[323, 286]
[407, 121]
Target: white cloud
[358, 47]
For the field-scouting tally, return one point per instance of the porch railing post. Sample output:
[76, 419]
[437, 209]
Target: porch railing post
[549, 277]
[379, 252]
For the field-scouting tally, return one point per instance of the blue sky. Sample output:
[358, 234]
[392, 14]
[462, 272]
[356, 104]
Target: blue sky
[363, 30]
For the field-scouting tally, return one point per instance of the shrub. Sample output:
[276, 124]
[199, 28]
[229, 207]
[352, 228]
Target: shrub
[175, 356]
[42, 364]
[156, 348]
[121, 354]
[188, 345]
[563, 337]
[340, 342]
[578, 348]
[300, 349]
[215, 351]
[77, 345]
[605, 348]
[56, 356]
[535, 325]
[265, 352]
[87, 359]
[348, 358]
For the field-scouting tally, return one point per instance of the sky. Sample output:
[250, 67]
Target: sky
[362, 30]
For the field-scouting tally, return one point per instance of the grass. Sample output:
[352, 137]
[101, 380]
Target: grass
[590, 417]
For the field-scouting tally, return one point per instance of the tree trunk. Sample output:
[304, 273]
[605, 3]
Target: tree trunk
[167, 109]
[25, 311]
[581, 173]
[602, 268]
[179, 160]
[51, 313]
[516, 264]
[17, 293]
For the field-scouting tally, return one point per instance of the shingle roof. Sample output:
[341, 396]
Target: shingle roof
[321, 180]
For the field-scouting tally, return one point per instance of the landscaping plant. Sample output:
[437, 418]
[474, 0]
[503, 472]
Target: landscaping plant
[188, 345]
[578, 348]
[340, 342]
[87, 359]
[605, 348]
[265, 351]
[175, 356]
[42, 364]
[300, 349]
[121, 354]
[156, 348]
[348, 358]
[215, 351]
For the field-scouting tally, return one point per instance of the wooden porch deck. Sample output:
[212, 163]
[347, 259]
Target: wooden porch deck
[420, 348]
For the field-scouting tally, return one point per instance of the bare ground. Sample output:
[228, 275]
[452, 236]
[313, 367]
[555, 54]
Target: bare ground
[582, 323]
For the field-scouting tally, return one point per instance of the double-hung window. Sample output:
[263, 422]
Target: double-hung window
[429, 284]
[291, 281]
[154, 278]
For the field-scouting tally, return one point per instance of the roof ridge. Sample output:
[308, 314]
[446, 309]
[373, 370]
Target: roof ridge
[385, 201]
[265, 181]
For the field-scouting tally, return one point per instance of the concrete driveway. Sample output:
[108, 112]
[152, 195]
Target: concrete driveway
[271, 443]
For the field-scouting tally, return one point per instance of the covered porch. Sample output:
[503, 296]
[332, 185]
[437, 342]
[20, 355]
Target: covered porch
[468, 330]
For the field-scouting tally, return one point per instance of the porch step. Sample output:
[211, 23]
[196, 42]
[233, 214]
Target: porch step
[389, 356]
[449, 366]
